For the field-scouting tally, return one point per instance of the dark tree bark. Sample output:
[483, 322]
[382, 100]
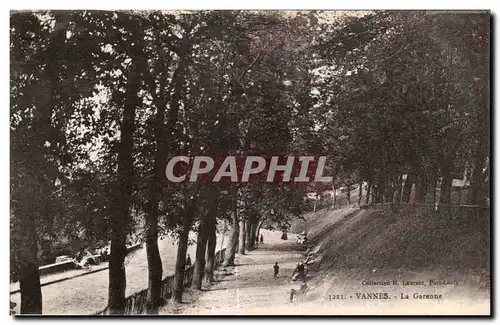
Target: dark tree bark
[29, 282]
[410, 179]
[117, 279]
[155, 269]
[397, 193]
[201, 248]
[421, 189]
[460, 192]
[211, 247]
[121, 217]
[259, 226]
[180, 263]
[445, 197]
[398, 184]
[378, 195]
[479, 186]
[33, 196]
[360, 193]
[334, 196]
[389, 190]
[380, 192]
[253, 233]
[447, 180]
[315, 202]
[29, 277]
[233, 240]
[162, 147]
[242, 237]
[368, 192]
[434, 190]
[248, 236]
[477, 197]
[178, 80]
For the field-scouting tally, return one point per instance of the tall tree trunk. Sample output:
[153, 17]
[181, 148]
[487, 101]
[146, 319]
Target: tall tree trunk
[368, 192]
[248, 235]
[421, 188]
[360, 193]
[180, 263]
[388, 190]
[380, 196]
[434, 191]
[397, 195]
[334, 196]
[253, 233]
[178, 80]
[211, 247]
[259, 226]
[117, 278]
[410, 179]
[380, 191]
[476, 180]
[121, 218]
[233, 240]
[201, 248]
[447, 181]
[380, 188]
[242, 238]
[32, 196]
[481, 119]
[446, 188]
[155, 270]
[29, 277]
[399, 188]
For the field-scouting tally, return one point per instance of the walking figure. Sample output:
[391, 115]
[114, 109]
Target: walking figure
[276, 269]
[261, 239]
[188, 261]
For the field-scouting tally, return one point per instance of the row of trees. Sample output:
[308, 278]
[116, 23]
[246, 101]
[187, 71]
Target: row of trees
[101, 100]
[405, 98]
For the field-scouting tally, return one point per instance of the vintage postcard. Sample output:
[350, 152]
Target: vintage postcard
[250, 162]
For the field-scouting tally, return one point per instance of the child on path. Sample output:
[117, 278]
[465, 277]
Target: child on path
[276, 269]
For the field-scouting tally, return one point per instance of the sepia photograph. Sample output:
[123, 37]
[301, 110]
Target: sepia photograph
[250, 163]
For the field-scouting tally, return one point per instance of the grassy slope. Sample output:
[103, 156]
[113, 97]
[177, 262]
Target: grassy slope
[367, 239]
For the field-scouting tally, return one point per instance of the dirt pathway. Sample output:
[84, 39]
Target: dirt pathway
[249, 288]
[250, 285]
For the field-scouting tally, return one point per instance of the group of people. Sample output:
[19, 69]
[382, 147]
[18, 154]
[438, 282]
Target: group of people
[300, 271]
[81, 260]
[302, 238]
